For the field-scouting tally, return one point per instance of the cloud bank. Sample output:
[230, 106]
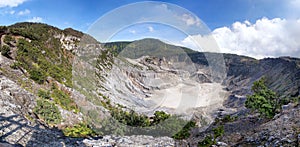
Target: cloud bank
[11, 3]
[265, 38]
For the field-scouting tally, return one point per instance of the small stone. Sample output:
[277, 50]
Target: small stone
[271, 138]
[221, 144]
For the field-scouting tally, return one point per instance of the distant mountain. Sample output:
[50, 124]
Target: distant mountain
[241, 71]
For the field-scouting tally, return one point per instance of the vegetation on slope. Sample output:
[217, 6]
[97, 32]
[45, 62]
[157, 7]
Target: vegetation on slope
[263, 99]
[39, 52]
[159, 125]
[5, 51]
[47, 111]
[210, 140]
[79, 130]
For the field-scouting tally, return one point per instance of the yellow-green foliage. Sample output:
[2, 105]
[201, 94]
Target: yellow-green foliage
[79, 130]
[44, 94]
[64, 100]
[160, 116]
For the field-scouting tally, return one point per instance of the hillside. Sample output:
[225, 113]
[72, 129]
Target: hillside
[57, 84]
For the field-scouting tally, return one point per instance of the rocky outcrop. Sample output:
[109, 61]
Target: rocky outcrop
[14, 99]
[283, 130]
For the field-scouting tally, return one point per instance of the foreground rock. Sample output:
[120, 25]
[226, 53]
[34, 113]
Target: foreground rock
[17, 131]
[252, 130]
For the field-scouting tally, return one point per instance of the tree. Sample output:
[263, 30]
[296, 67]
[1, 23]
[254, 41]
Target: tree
[263, 99]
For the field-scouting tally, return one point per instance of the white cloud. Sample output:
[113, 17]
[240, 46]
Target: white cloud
[25, 12]
[12, 12]
[295, 3]
[35, 19]
[205, 43]
[266, 38]
[190, 20]
[293, 8]
[11, 3]
[150, 29]
[132, 31]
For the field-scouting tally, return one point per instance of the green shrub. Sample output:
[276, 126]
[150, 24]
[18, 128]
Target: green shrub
[207, 142]
[287, 100]
[226, 119]
[15, 65]
[47, 111]
[263, 99]
[5, 51]
[3, 29]
[8, 39]
[64, 100]
[44, 94]
[111, 126]
[130, 118]
[185, 132]
[79, 130]
[38, 76]
[218, 132]
[160, 116]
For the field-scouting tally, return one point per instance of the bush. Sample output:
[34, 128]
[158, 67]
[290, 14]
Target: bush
[8, 39]
[226, 119]
[64, 100]
[5, 51]
[263, 99]
[47, 111]
[160, 116]
[218, 132]
[207, 142]
[185, 132]
[44, 94]
[111, 126]
[15, 65]
[130, 118]
[37, 75]
[79, 130]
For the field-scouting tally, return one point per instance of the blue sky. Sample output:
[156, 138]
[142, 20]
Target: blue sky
[248, 27]
[79, 14]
